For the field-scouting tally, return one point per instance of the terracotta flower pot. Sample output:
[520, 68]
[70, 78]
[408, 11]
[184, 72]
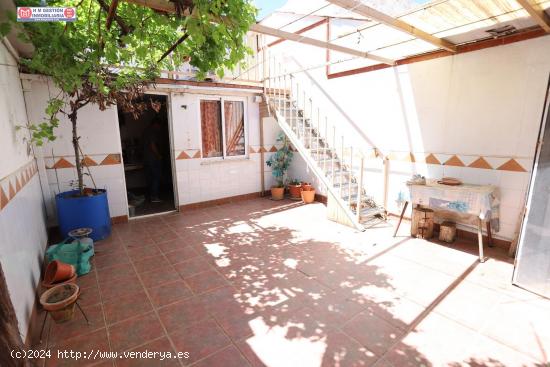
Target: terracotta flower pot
[277, 193]
[308, 196]
[58, 271]
[294, 191]
[71, 280]
[306, 186]
[60, 301]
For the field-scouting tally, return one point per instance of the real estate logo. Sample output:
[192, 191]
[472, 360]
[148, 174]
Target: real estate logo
[46, 14]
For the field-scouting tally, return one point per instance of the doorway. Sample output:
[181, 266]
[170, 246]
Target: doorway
[532, 270]
[147, 161]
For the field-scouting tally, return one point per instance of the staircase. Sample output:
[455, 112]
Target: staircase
[336, 164]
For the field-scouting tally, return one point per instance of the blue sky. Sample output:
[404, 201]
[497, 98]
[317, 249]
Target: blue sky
[267, 6]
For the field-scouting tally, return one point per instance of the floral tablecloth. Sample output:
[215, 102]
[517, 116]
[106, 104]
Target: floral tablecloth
[458, 202]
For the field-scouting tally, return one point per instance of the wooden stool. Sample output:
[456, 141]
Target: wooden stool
[422, 225]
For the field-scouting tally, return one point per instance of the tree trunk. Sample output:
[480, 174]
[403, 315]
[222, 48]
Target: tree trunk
[10, 339]
[72, 117]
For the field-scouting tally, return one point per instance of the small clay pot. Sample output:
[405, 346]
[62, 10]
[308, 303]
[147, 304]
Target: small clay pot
[308, 196]
[277, 193]
[306, 186]
[71, 280]
[294, 191]
[58, 271]
[60, 300]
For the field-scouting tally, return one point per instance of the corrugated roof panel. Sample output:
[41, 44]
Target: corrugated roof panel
[374, 38]
[458, 21]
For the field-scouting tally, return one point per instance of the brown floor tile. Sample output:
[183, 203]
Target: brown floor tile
[373, 332]
[96, 341]
[161, 345]
[157, 228]
[138, 241]
[438, 341]
[182, 254]
[89, 296]
[343, 351]
[112, 273]
[173, 245]
[106, 261]
[192, 267]
[112, 240]
[223, 301]
[159, 276]
[200, 340]
[77, 326]
[287, 295]
[169, 293]
[87, 280]
[127, 306]
[228, 357]
[150, 264]
[139, 253]
[120, 287]
[205, 282]
[135, 331]
[183, 314]
[164, 236]
[254, 356]
[236, 323]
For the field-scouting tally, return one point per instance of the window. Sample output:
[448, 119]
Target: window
[223, 130]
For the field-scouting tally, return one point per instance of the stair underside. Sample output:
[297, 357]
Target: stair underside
[322, 153]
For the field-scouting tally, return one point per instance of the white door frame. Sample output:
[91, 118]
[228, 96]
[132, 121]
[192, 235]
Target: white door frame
[172, 153]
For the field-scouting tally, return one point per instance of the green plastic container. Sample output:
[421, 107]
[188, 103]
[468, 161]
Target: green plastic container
[76, 253]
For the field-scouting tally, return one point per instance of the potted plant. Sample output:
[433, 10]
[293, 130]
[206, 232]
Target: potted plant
[108, 56]
[294, 189]
[60, 300]
[306, 185]
[279, 163]
[308, 195]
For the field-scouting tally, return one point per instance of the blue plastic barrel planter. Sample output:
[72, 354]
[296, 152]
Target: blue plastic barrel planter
[74, 211]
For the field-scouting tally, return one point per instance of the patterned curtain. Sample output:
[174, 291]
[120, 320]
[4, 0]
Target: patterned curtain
[211, 125]
[234, 127]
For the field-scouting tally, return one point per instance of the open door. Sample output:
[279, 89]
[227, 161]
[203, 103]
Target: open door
[146, 148]
[532, 270]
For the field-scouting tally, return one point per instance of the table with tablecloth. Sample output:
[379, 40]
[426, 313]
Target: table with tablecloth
[465, 203]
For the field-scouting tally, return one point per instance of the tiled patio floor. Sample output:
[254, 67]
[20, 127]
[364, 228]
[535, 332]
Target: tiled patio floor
[265, 283]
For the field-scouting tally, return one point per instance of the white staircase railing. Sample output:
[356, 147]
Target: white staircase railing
[319, 142]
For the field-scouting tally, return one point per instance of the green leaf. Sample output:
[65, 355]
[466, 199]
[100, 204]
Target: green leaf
[5, 28]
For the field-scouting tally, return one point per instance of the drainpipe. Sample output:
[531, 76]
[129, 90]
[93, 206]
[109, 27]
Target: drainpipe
[262, 167]
[10, 49]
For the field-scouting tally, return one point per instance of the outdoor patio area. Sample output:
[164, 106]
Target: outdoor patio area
[266, 283]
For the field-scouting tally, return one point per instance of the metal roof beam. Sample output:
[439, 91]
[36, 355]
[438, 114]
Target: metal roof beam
[259, 28]
[358, 7]
[537, 14]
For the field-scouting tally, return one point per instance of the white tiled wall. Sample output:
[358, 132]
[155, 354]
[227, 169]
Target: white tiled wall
[99, 134]
[22, 219]
[485, 103]
[200, 179]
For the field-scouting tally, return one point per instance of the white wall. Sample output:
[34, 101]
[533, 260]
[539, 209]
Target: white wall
[197, 179]
[22, 217]
[486, 103]
[204, 179]
[100, 139]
